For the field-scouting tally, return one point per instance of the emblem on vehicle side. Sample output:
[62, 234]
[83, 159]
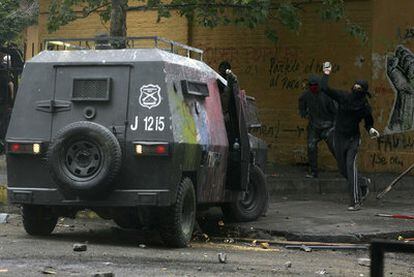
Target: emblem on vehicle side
[150, 96]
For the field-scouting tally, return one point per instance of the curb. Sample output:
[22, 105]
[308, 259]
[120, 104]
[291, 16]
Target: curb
[262, 233]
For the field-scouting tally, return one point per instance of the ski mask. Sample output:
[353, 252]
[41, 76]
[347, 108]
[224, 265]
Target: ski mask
[360, 88]
[313, 84]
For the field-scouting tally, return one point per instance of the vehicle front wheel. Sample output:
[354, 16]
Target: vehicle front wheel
[38, 220]
[255, 200]
[177, 221]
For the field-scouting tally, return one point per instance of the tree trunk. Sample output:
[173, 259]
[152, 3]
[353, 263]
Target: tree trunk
[118, 21]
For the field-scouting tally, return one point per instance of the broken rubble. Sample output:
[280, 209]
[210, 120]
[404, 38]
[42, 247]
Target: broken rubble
[222, 257]
[264, 245]
[3, 218]
[79, 247]
[321, 272]
[306, 248]
[49, 270]
[364, 262]
[288, 264]
[103, 274]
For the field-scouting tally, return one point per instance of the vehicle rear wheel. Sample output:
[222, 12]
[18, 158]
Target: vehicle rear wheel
[255, 200]
[38, 220]
[84, 159]
[177, 222]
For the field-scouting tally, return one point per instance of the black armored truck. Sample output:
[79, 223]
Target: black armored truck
[137, 135]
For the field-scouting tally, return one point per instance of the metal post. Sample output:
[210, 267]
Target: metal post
[377, 260]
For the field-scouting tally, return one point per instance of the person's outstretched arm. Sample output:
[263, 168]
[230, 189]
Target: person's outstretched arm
[335, 94]
[369, 122]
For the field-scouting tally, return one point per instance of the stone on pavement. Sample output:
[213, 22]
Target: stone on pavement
[79, 247]
[3, 218]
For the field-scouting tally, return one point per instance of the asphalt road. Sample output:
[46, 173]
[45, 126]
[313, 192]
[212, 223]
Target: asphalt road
[129, 253]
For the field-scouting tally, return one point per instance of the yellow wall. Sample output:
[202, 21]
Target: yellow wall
[275, 73]
[393, 25]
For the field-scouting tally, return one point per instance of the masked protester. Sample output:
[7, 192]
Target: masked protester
[353, 107]
[320, 111]
[224, 92]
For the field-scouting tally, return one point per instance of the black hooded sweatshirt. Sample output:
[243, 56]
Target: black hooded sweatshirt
[317, 106]
[352, 108]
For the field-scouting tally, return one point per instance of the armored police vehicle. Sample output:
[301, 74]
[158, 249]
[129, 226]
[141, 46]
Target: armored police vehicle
[137, 135]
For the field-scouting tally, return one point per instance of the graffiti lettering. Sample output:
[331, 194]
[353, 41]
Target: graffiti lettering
[285, 66]
[298, 131]
[377, 159]
[268, 131]
[380, 160]
[395, 142]
[287, 74]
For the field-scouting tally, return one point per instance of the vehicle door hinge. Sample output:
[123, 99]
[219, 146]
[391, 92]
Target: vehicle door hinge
[53, 106]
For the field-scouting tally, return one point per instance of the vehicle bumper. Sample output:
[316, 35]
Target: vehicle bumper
[116, 198]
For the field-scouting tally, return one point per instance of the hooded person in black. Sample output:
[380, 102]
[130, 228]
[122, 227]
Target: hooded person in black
[353, 107]
[320, 110]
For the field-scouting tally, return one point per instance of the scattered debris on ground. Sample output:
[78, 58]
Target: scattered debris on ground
[265, 245]
[306, 246]
[398, 216]
[288, 264]
[364, 262]
[79, 247]
[3, 218]
[228, 240]
[103, 274]
[222, 257]
[49, 270]
[321, 272]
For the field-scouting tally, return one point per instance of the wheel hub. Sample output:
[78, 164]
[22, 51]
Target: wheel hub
[83, 158]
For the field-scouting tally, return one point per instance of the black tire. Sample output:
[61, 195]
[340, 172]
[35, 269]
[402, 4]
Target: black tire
[84, 159]
[177, 222]
[38, 220]
[255, 202]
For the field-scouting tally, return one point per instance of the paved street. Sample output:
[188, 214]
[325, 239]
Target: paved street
[118, 251]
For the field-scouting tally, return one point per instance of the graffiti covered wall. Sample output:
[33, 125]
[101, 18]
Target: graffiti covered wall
[393, 87]
[276, 74]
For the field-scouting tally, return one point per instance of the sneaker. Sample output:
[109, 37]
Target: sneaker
[354, 207]
[311, 175]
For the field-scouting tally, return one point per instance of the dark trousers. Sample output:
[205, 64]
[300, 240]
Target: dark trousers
[315, 135]
[346, 153]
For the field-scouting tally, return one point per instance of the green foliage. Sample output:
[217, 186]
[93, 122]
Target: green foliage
[211, 13]
[15, 16]
[333, 10]
[62, 12]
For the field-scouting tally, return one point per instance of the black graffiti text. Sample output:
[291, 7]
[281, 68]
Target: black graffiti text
[395, 142]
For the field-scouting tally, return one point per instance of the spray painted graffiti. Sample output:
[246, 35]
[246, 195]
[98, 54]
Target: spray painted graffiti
[400, 73]
[291, 73]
